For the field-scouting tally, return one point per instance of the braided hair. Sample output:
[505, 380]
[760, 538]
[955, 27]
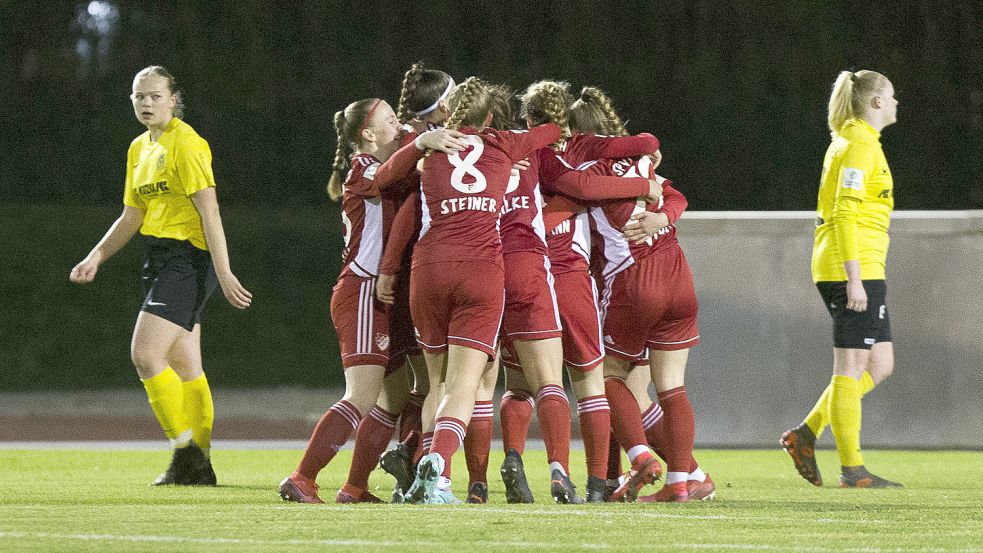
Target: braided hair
[548, 102]
[465, 103]
[422, 88]
[593, 113]
[347, 123]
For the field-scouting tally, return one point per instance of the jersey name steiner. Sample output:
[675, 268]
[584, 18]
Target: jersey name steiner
[469, 203]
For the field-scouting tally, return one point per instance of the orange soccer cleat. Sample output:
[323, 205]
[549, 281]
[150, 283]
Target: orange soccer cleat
[298, 489]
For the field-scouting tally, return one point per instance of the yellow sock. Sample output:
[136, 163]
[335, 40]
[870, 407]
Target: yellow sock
[200, 411]
[818, 418]
[166, 396]
[844, 419]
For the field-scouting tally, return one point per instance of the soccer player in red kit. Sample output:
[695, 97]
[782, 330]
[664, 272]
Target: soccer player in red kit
[649, 301]
[568, 250]
[457, 284]
[369, 127]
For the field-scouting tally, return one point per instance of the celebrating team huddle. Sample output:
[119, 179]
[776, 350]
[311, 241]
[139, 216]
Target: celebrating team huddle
[470, 245]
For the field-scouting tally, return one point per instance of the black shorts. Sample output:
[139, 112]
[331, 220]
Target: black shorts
[852, 329]
[178, 279]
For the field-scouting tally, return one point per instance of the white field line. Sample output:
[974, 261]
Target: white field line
[150, 445]
[403, 543]
[594, 514]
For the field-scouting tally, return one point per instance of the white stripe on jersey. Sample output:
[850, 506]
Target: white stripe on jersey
[537, 222]
[426, 214]
[366, 262]
[581, 236]
[616, 251]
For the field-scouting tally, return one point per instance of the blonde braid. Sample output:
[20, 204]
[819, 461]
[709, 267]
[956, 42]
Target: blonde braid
[410, 81]
[612, 125]
[340, 159]
[463, 99]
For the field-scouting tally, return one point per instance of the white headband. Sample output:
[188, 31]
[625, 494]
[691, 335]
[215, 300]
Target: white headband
[450, 85]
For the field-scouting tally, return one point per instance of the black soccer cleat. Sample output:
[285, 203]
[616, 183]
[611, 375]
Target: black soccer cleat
[860, 477]
[563, 489]
[189, 467]
[597, 490]
[477, 493]
[398, 462]
[514, 476]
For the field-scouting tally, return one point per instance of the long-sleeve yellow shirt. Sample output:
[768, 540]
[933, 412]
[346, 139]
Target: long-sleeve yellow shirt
[856, 197]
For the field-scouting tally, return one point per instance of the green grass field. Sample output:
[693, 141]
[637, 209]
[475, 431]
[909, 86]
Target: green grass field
[95, 500]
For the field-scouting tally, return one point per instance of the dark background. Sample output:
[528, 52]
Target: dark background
[737, 93]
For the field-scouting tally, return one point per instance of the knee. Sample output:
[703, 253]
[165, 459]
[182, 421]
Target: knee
[147, 363]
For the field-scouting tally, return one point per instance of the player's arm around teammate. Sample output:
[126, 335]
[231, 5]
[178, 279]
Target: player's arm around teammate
[855, 200]
[170, 199]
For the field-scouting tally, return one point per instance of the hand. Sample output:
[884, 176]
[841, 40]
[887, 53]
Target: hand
[856, 296]
[656, 159]
[419, 127]
[520, 165]
[384, 289]
[239, 297]
[443, 140]
[655, 192]
[642, 226]
[85, 271]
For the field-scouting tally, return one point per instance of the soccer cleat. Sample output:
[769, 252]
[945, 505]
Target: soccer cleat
[641, 473]
[478, 492]
[701, 491]
[443, 497]
[800, 443]
[514, 476]
[351, 494]
[189, 467]
[597, 490]
[563, 489]
[860, 477]
[670, 493]
[610, 485]
[424, 486]
[298, 489]
[398, 462]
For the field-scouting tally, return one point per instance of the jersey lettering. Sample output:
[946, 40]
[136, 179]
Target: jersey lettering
[517, 202]
[471, 203]
[153, 189]
[562, 228]
[466, 167]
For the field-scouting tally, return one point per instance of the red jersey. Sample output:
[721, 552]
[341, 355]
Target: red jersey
[569, 241]
[367, 212]
[610, 216]
[463, 193]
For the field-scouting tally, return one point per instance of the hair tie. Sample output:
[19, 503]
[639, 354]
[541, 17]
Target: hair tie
[368, 116]
[447, 92]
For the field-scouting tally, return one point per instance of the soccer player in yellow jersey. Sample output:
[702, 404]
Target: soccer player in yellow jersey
[170, 199]
[856, 196]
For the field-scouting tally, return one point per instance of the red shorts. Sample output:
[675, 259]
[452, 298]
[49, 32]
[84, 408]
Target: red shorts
[531, 312]
[577, 293]
[507, 355]
[402, 337]
[360, 321]
[653, 304]
[457, 302]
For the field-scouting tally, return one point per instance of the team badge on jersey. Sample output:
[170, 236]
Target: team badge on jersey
[853, 178]
[382, 340]
[161, 162]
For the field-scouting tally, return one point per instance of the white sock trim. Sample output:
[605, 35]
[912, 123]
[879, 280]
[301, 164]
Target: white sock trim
[555, 465]
[698, 475]
[183, 440]
[635, 451]
[674, 477]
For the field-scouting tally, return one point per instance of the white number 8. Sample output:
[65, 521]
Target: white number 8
[466, 167]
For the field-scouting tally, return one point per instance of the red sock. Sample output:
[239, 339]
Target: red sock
[653, 420]
[371, 440]
[412, 440]
[422, 448]
[654, 424]
[409, 419]
[331, 432]
[614, 457]
[595, 427]
[448, 435]
[625, 418]
[477, 442]
[681, 426]
[516, 412]
[553, 410]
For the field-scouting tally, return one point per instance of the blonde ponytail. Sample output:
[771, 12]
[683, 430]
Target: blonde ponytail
[851, 96]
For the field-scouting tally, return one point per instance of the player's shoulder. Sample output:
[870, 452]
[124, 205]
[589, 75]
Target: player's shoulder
[364, 166]
[186, 137]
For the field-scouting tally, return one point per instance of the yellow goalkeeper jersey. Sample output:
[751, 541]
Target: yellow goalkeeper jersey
[856, 197]
[162, 176]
